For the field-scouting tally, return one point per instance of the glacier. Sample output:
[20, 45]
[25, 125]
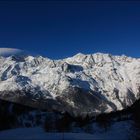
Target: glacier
[82, 85]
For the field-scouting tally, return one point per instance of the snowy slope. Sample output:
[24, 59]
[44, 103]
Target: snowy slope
[119, 130]
[80, 85]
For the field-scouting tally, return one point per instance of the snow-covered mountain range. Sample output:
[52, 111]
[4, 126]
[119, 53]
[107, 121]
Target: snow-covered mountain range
[80, 85]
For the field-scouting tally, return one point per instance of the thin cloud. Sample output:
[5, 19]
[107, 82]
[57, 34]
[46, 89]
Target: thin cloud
[8, 51]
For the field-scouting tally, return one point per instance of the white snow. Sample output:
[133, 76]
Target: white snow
[90, 83]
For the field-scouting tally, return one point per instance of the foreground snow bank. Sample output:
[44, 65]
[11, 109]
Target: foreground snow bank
[80, 85]
[119, 130]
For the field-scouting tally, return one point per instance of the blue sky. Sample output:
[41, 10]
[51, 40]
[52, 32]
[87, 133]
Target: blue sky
[59, 29]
